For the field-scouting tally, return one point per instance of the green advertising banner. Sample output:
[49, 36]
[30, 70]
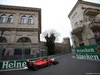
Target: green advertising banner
[88, 49]
[16, 63]
[88, 56]
[88, 52]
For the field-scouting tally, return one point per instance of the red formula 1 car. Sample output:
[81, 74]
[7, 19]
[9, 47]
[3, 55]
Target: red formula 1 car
[40, 63]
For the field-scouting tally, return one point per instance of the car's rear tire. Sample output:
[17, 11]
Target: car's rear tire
[35, 67]
[55, 62]
[48, 64]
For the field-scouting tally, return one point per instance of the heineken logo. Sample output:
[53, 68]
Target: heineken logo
[88, 52]
[88, 56]
[85, 50]
[14, 64]
[88, 49]
[98, 48]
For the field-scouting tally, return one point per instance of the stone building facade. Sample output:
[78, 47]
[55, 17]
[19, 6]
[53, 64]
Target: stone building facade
[85, 22]
[20, 29]
[63, 47]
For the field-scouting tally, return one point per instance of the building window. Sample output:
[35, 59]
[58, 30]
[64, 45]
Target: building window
[24, 40]
[27, 51]
[81, 45]
[30, 20]
[3, 40]
[3, 51]
[75, 16]
[23, 19]
[96, 34]
[76, 24]
[10, 19]
[80, 38]
[97, 40]
[18, 51]
[3, 18]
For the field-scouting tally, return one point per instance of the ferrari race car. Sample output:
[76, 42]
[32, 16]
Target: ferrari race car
[40, 63]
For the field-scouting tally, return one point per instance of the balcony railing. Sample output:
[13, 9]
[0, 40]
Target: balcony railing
[19, 51]
[77, 30]
[91, 11]
[19, 45]
[94, 25]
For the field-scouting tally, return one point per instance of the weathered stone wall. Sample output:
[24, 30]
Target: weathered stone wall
[83, 14]
[28, 33]
[63, 47]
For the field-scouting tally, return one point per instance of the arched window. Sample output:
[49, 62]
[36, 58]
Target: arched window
[23, 19]
[24, 40]
[3, 40]
[76, 24]
[3, 18]
[10, 19]
[30, 20]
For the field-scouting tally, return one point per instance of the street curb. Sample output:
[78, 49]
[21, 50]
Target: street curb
[15, 69]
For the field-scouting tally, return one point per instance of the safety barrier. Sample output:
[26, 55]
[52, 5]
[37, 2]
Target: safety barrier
[17, 63]
[88, 52]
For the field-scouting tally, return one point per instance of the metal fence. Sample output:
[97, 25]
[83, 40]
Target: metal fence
[20, 51]
[18, 57]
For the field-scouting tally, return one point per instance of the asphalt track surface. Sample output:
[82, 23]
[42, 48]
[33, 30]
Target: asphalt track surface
[67, 66]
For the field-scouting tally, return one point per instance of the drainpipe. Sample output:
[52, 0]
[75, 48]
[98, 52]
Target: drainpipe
[2, 32]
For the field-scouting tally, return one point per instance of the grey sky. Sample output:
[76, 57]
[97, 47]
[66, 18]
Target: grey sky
[54, 13]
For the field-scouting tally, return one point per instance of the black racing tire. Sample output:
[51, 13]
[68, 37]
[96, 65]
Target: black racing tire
[55, 62]
[48, 64]
[35, 67]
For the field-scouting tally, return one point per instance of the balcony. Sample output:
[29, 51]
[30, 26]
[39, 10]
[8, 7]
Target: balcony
[98, 40]
[77, 30]
[94, 25]
[91, 11]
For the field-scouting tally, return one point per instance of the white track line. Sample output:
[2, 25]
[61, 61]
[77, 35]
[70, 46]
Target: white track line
[13, 69]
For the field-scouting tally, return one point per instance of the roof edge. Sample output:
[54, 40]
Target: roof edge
[19, 7]
[82, 2]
